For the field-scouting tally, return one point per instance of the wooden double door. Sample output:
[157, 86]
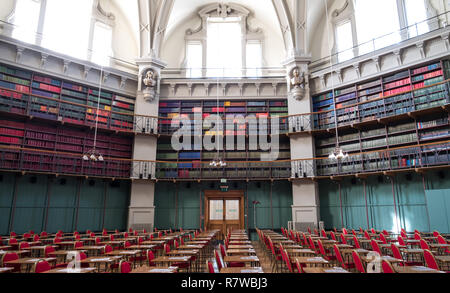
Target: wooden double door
[224, 210]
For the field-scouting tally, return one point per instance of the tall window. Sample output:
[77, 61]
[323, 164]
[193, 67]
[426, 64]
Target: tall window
[375, 23]
[26, 18]
[66, 27]
[416, 14]
[254, 58]
[344, 41]
[101, 45]
[224, 56]
[194, 56]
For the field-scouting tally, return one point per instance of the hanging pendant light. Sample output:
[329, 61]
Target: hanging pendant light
[93, 155]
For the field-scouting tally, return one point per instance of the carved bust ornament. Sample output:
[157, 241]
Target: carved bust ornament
[297, 84]
[150, 82]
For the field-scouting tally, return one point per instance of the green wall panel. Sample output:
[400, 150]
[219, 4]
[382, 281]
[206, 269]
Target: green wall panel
[49, 203]
[412, 210]
[189, 203]
[439, 207]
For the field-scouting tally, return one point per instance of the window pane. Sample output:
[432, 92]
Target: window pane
[194, 53]
[101, 45]
[224, 47]
[416, 14]
[26, 19]
[216, 210]
[254, 59]
[232, 212]
[66, 27]
[377, 24]
[344, 41]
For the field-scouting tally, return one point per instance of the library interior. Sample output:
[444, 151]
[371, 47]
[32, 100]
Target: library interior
[203, 136]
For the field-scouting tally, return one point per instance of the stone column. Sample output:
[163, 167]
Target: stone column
[305, 208]
[141, 213]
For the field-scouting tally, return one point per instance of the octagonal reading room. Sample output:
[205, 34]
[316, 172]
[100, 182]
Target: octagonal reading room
[205, 136]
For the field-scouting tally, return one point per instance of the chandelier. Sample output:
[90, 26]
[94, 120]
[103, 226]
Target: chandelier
[93, 155]
[217, 163]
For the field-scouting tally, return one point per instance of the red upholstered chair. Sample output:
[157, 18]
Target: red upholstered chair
[305, 241]
[12, 242]
[150, 258]
[127, 244]
[276, 256]
[430, 261]
[417, 236]
[387, 267]
[333, 236]
[108, 248]
[48, 250]
[219, 262]
[140, 240]
[10, 256]
[383, 239]
[324, 234]
[42, 267]
[36, 238]
[230, 264]
[401, 242]
[97, 240]
[77, 237]
[358, 263]
[180, 265]
[298, 266]
[26, 235]
[340, 259]
[57, 240]
[12, 234]
[373, 231]
[210, 267]
[78, 244]
[125, 267]
[354, 232]
[312, 246]
[424, 244]
[356, 242]
[343, 239]
[325, 253]
[375, 247]
[344, 231]
[367, 235]
[287, 261]
[441, 240]
[44, 234]
[24, 246]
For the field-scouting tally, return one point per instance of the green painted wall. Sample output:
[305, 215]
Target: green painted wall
[413, 209]
[50, 204]
[190, 195]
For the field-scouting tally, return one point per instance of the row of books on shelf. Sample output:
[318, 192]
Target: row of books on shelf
[427, 135]
[16, 87]
[433, 123]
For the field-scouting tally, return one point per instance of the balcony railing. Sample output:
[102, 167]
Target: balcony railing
[403, 158]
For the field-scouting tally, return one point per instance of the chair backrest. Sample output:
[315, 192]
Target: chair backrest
[48, 249]
[305, 241]
[333, 236]
[12, 234]
[125, 235]
[166, 248]
[210, 267]
[176, 244]
[321, 248]
[125, 267]
[401, 241]
[9, 256]
[311, 243]
[396, 252]
[373, 231]
[97, 240]
[44, 234]
[220, 265]
[12, 241]
[354, 232]
[24, 245]
[387, 267]
[367, 235]
[358, 263]
[287, 261]
[324, 234]
[436, 233]
[108, 248]
[78, 244]
[222, 250]
[140, 240]
[383, 238]
[127, 244]
[181, 241]
[111, 237]
[441, 239]
[417, 236]
[26, 235]
[343, 239]
[299, 267]
[424, 244]
[338, 254]
[77, 237]
[57, 240]
[403, 234]
[82, 256]
[36, 238]
[385, 233]
[430, 261]
[356, 242]
[309, 230]
[344, 231]
[375, 246]
[42, 266]
[150, 258]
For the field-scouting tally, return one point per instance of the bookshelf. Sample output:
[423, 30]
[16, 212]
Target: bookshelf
[33, 94]
[415, 89]
[59, 149]
[241, 163]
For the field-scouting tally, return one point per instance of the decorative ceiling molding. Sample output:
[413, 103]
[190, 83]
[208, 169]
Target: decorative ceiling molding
[338, 12]
[102, 15]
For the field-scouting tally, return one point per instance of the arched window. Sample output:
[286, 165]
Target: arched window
[223, 45]
[80, 29]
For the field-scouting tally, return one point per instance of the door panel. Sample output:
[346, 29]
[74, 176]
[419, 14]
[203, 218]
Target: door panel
[224, 211]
